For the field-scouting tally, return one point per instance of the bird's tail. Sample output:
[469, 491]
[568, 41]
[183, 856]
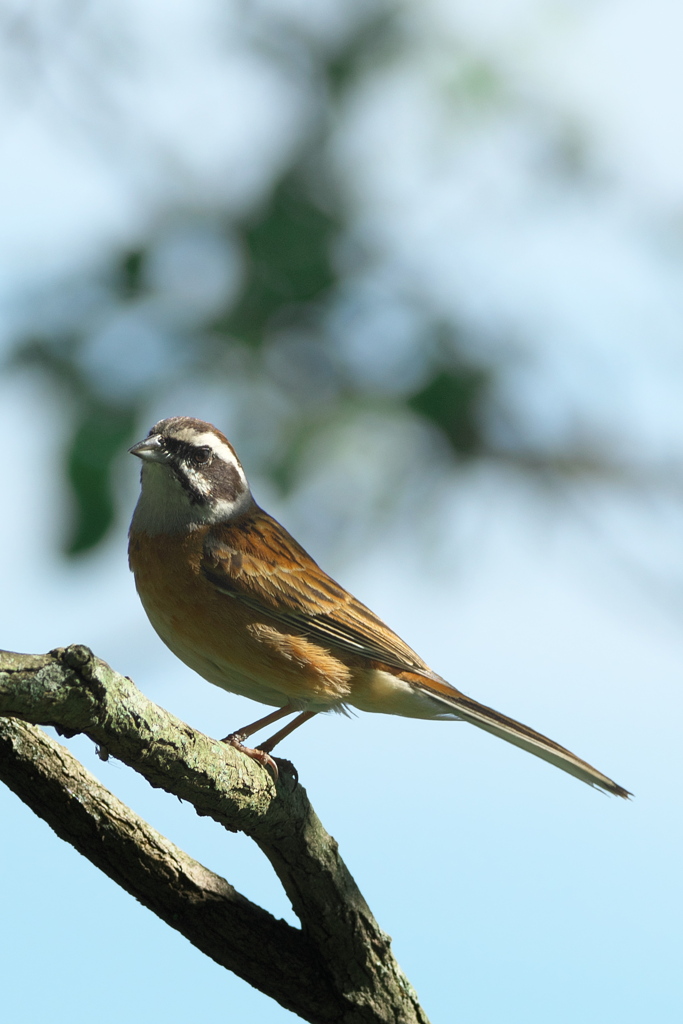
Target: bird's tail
[514, 732]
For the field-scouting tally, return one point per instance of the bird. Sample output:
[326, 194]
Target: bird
[239, 601]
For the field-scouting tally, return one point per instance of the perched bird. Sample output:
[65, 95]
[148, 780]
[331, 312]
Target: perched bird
[238, 600]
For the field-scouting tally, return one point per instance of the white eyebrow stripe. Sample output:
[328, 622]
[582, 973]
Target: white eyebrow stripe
[190, 436]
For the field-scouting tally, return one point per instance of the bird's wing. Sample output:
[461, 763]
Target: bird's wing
[258, 562]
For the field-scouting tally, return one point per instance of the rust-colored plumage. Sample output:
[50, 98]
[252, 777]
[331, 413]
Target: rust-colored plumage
[240, 601]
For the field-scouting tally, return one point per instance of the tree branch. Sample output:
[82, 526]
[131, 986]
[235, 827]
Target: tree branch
[198, 903]
[339, 967]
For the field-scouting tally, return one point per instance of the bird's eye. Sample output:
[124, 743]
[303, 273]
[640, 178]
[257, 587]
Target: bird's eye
[200, 456]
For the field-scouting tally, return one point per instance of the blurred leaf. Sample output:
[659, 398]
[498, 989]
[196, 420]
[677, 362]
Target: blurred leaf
[56, 357]
[375, 39]
[131, 271]
[453, 400]
[98, 439]
[287, 250]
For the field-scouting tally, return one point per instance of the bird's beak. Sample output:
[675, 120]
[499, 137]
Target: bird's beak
[149, 450]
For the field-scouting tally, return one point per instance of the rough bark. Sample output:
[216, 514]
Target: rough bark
[338, 967]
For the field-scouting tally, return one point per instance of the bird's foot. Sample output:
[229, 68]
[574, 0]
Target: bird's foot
[235, 740]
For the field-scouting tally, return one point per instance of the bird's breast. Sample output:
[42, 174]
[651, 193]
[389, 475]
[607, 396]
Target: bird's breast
[225, 641]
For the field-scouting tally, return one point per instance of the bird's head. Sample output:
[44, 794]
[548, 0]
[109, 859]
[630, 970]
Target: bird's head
[191, 477]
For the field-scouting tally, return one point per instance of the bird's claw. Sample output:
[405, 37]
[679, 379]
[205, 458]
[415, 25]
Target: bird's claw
[235, 740]
[287, 768]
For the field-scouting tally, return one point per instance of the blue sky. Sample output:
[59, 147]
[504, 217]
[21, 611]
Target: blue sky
[512, 892]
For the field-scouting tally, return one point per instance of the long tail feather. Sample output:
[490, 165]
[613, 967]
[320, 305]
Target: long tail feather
[514, 732]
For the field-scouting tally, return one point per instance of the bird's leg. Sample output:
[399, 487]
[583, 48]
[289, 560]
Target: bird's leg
[261, 723]
[265, 748]
[285, 731]
[236, 739]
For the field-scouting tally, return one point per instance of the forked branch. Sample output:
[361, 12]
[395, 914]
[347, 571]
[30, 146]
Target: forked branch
[337, 967]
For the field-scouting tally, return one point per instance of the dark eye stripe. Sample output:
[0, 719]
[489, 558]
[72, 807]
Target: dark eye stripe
[223, 478]
[184, 450]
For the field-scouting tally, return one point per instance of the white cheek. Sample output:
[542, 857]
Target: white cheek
[197, 481]
[223, 509]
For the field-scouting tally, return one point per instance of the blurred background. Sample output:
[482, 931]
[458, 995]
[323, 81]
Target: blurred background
[423, 264]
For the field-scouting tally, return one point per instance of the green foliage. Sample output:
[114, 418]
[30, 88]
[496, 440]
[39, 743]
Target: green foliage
[454, 400]
[131, 280]
[273, 332]
[287, 255]
[101, 429]
[100, 435]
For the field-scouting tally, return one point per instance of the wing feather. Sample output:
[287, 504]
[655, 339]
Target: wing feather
[258, 562]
